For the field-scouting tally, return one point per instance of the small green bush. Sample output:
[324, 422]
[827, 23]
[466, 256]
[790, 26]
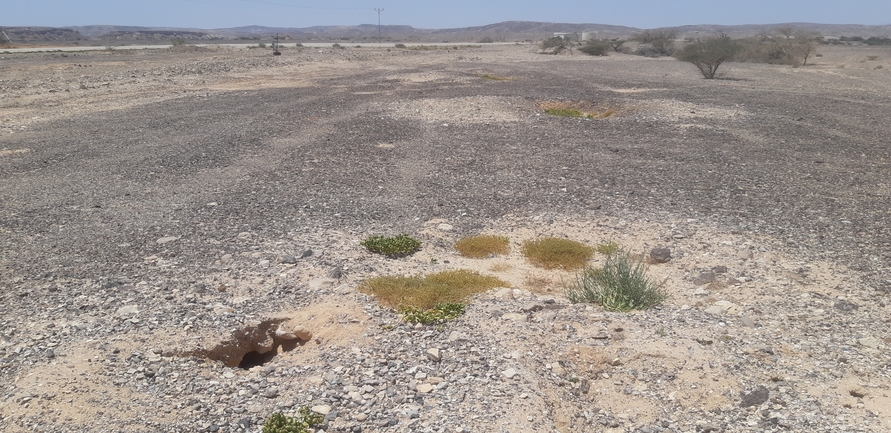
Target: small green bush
[620, 284]
[399, 46]
[486, 40]
[595, 48]
[440, 313]
[393, 247]
[261, 45]
[337, 46]
[550, 253]
[177, 42]
[279, 423]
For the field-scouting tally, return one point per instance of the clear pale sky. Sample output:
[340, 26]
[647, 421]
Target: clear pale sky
[436, 14]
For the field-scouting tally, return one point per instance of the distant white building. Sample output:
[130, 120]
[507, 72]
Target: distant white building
[589, 35]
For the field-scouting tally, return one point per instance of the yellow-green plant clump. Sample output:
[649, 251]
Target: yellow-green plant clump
[479, 247]
[427, 292]
[551, 253]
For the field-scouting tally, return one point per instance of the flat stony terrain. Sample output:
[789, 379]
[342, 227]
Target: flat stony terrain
[171, 219]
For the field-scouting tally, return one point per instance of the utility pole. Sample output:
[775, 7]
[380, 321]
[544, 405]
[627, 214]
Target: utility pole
[378, 10]
[10, 40]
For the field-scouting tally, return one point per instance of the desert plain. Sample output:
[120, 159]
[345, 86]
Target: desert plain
[164, 213]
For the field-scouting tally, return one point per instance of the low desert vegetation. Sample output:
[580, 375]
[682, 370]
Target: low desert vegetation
[607, 248]
[574, 109]
[595, 47]
[392, 246]
[486, 40]
[482, 246]
[494, 77]
[177, 42]
[399, 46]
[782, 46]
[557, 253]
[438, 314]
[303, 423]
[425, 298]
[620, 284]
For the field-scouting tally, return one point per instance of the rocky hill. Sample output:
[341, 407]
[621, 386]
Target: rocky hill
[505, 31]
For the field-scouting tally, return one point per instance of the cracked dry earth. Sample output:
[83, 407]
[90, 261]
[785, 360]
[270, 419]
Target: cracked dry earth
[180, 240]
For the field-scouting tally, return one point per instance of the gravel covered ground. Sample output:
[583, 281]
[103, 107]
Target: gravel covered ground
[164, 214]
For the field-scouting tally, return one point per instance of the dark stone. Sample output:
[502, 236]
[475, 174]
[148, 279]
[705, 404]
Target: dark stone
[846, 306]
[756, 397]
[720, 269]
[306, 254]
[660, 255]
[336, 273]
[705, 278]
[288, 260]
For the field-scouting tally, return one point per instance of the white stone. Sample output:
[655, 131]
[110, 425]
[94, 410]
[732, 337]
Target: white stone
[424, 388]
[510, 373]
[322, 409]
[127, 310]
[445, 227]
[167, 239]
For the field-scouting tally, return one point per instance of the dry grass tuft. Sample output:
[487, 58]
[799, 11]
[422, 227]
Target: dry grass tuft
[575, 109]
[429, 291]
[495, 77]
[551, 253]
[537, 283]
[479, 247]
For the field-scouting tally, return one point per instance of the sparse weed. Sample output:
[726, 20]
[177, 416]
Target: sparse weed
[438, 314]
[479, 247]
[393, 247]
[550, 253]
[303, 423]
[425, 293]
[574, 109]
[564, 112]
[399, 46]
[494, 77]
[607, 248]
[620, 284]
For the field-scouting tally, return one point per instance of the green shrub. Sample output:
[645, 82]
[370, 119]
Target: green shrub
[261, 45]
[550, 253]
[279, 423]
[177, 42]
[427, 292]
[393, 247]
[486, 40]
[620, 284]
[595, 48]
[479, 247]
[336, 45]
[438, 314]
[399, 46]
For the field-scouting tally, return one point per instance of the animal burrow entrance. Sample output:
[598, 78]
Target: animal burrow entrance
[257, 343]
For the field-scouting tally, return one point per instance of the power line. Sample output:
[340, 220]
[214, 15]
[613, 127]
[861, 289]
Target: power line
[379, 23]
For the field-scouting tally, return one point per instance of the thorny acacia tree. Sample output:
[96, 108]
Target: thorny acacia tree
[708, 54]
[662, 40]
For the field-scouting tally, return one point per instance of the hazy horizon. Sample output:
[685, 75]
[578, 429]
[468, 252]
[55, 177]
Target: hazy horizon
[208, 14]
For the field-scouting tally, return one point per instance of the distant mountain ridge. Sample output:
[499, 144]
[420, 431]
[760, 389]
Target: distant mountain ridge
[507, 31]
